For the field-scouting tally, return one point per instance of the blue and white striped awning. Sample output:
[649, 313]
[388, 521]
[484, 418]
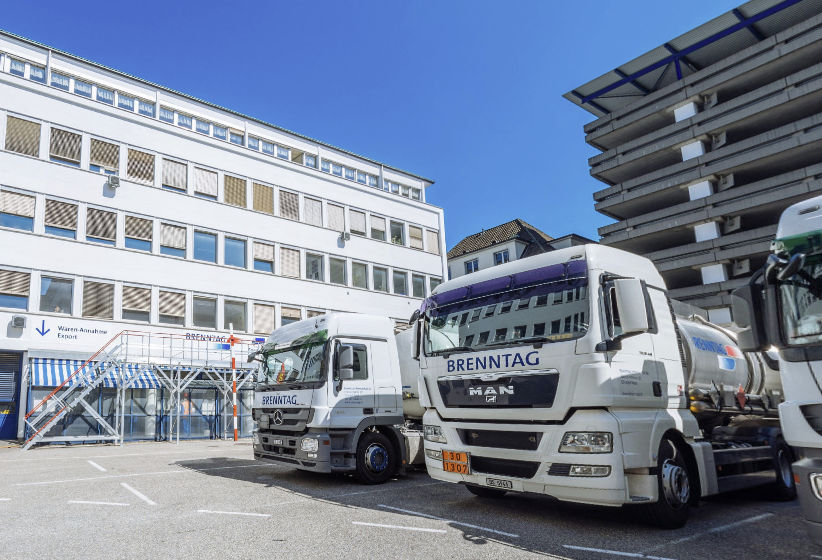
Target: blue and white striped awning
[52, 372]
[141, 376]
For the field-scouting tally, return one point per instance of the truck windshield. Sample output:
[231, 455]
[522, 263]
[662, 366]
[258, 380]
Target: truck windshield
[300, 361]
[800, 295]
[547, 304]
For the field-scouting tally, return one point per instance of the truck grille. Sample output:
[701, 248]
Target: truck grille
[560, 469]
[504, 467]
[525, 441]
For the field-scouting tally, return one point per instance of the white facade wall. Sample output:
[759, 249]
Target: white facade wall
[485, 257]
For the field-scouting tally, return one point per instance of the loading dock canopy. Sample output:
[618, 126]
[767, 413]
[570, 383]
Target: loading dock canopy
[728, 34]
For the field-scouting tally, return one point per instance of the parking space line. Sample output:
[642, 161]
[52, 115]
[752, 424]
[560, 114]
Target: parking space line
[614, 552]
[450, 521]
[97, 503]
[733, 525]
[136, 493]
[234, 513]
[400, 527]
[133, 474]
[5, 499]
[96, 466]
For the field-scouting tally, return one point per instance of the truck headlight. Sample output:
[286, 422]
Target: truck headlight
[309, 444]
[255, 438]
[589, 470]
[587, 442]
[434, 433]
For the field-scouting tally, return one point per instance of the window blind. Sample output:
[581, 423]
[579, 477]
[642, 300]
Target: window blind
[205, 182]
[104, 154]
[172, 303]
[264, 321]
[136, 299]
[357, 221]
[235, 191]
[310, 313]
[263, 198]
[377, 223]
[415, 234]
[140, 167]
[98, 300]
[290, 312]
[313, 212]
[65, 145]
[433, 242]
[61, 214]
[17, 204]
[14, 283]
[101, 224]
[336, 217]
[289, 205]
[290, 262]
[172, 236]
[263, 252]
[22, 136]
[138, 228]
[175, 174]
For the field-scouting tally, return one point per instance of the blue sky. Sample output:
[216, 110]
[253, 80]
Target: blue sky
[465, 93]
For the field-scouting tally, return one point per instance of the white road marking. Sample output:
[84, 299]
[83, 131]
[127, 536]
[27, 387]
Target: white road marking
[96, 466]
[383, 490]
[400, 527]
[234, 513]
[136, 493]
[450, 521]
[5, 499]
[614, 552]
[97, 503]
[135, 474]
[714, 530]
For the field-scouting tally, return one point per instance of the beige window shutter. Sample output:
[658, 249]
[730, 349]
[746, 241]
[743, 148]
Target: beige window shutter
[175, 174]
[22, 136]
[235, 191]
[61, 214]
[290, 262]
[136, 299]
[101, 224]
[264, 318]
[377, 223]
[140, 167]
[65, 145]
[205, 182]
[263, 198]
[336, 217]
[105, 154]
[310, 313]
[357, 221]
[433, 242]
[313, 212]
[263, 252]
[416, 237]
[172, 303]
[98, 300]
[289, 205]
[172, 236]
[290, 312]
[14, 283]
[138, 228]
[17, 204]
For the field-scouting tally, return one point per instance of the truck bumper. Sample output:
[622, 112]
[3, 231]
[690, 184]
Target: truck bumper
[551, 469]
[809, 501]
[288, 451]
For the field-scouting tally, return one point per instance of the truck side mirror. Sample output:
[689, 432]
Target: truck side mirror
[748, 310]
[346, 361]
[633, 310]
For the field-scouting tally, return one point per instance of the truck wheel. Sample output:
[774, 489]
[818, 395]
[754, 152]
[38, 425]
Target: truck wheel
[376, 458]
[484, 492]
[784, 488]
[671, 510]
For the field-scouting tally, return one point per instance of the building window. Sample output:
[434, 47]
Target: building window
[235, 192]
[289, 206]
[283, 153]
[290, 262]
[449, 273]
[166, 115]
[59, 81]
[313, 211]
[501, 257]
[400, 283]
[140, 167]
[415, 194]
[236, 138]
[184, 121]
[38, 74]
[483, 338]
[357, 222]
[14, 289]
[235, 252]
[325, 165]
[268, 148]
[17, 210]
[336, 217]
[418, 285]
[475, 316]
[101, 226]
[17, 67]
[138, 233]
[469, 340]
[314, 267]
[310, 161]
[104, 157]
[337, 270]
[175, 175]
[380, 279]
[263, 198]
[55, 295]
[415, 233]
[372, 181]
[105, 95]
[555, 327]
[557, 297]
[464, 319]
[219, 132]
[289, 315]
[234, 314]
[519, 332]
[539, 329]
[349, 174]
[506, 307]
[264, 318]
[263, 257]
[136, 304]
[567, 326]
[360, 177]
[397, 234]
[145, 108]
[471, 266]
[541, 301]
[359, 275]
[205, 246]
[172, 308]
[311, 313]
[254, 143]
[82, 88]
[395, 188]
[123, 101]
[205, 183]
[377, 228]
[22, 137]
[64, 147]
[202, 127]
[173, 241]
[499, 335]
[433, 239]
[98, 300]
[336, 170]
[489, 311]
[204, 312]
[405, 191]
[524, 304]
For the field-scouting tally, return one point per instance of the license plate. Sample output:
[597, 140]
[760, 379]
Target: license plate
[275, 441]
[499, 483]
[455, 462]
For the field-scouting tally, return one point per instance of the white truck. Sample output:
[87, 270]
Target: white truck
[782, 308]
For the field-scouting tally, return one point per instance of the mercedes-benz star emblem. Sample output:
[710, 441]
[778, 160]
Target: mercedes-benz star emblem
[278, 417]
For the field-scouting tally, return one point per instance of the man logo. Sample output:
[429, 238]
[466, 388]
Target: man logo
[490, 398]
[278, 417]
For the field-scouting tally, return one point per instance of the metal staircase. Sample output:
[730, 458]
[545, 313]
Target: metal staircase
[175, 361]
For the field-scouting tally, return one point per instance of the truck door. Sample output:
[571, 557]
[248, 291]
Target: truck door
[350, 400]
[386, 380]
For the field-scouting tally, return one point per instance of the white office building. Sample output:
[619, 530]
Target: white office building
[128, 206]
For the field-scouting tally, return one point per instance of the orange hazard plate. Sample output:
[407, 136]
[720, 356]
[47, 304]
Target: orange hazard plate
[456, 462]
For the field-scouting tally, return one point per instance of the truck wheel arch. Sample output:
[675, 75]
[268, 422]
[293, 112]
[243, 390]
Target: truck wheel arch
[385, 426]
[690, 459]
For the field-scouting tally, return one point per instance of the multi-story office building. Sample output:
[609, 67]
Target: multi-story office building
[705, 140]
[126, 205]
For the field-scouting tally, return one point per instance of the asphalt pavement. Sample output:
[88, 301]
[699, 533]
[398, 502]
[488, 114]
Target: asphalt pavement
[209, 499]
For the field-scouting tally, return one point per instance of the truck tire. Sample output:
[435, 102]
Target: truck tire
[483, 492]
[784, 488]
[671, 510]
[376, 458]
